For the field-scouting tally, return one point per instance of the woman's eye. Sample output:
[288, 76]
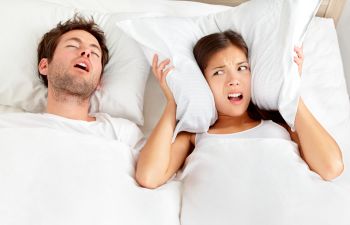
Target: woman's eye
[219, 72]
[243, 68]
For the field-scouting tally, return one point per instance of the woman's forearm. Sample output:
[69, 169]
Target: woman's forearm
[154, 158]
[319, 149]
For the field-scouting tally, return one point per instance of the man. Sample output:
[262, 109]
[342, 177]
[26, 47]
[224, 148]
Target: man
[71, 60]
[65, 164]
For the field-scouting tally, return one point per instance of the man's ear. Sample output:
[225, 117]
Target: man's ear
[43, 66]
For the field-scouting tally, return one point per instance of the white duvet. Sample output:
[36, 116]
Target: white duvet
[50, 177]
[257, 181]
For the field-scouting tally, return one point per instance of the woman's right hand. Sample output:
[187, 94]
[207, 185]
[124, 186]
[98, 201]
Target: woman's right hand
[160, 73]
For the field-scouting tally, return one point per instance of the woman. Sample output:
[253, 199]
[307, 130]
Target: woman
[223, 59]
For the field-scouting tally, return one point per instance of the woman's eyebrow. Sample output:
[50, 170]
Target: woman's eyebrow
[218, 67]
[243, 62]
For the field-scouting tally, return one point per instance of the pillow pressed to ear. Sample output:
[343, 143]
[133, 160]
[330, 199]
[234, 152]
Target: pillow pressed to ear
[124, 78]
[174, 38]
[270, 28]
[323, 85]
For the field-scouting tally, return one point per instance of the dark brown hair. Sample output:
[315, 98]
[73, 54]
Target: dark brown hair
[208, 45]
[49, 41]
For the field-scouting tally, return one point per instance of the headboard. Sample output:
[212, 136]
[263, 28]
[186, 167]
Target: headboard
[328, 8]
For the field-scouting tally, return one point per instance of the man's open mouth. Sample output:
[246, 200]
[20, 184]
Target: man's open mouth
[82, 66]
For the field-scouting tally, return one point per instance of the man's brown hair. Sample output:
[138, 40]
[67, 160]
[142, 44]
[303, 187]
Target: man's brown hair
[49, 41]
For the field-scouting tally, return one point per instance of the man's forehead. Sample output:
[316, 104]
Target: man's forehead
[80, 36]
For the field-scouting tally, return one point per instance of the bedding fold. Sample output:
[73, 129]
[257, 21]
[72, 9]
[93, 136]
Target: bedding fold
[257, 181]
[48, 176]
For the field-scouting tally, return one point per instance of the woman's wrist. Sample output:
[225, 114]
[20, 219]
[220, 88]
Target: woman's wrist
[171, 102]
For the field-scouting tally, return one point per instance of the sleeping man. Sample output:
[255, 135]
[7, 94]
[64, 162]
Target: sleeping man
[71, 60]
[65, 165]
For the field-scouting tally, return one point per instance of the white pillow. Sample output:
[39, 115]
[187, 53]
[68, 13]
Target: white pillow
[124, 78]
[323, 86]
[271, 29]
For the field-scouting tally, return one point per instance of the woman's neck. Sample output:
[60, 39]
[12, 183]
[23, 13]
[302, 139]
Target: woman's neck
[231, 124]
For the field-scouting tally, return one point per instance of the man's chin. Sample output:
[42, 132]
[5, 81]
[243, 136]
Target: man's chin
[82, 93]
[72, 85]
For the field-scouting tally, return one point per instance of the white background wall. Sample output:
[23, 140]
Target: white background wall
[343, 29]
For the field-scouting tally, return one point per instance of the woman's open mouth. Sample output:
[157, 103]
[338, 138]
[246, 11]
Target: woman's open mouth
[235, 98]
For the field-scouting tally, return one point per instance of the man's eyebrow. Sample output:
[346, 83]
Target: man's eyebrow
[79, 41]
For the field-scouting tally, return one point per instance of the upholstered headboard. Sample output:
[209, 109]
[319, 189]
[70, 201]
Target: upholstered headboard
[328, 8]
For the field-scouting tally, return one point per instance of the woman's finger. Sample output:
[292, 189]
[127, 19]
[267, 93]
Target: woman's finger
[165, 72]
[298, 61]
[155, 61]
[163, 64]
[299, 52]
[154, 64]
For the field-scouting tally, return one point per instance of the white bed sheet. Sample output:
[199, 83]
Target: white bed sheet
[257, 181]
[50, 176]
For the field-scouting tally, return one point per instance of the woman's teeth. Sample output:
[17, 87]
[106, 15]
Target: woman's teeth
[235, 96]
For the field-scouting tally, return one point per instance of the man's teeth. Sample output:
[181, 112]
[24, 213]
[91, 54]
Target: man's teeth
[82, 64]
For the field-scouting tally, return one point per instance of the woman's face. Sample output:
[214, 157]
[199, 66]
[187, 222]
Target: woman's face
[228, 75]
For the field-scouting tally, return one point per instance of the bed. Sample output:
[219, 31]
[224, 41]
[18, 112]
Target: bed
[85, 179]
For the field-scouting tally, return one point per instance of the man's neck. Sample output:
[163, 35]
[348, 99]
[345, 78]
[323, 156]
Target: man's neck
[68, 106]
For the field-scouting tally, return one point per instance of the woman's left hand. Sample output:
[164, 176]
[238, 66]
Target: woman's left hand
[299, 58]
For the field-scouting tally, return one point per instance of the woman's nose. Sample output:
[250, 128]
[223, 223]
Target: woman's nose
[234, 82]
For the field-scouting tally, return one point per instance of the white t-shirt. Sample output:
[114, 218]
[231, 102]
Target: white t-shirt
[105, 126]
[266, 129]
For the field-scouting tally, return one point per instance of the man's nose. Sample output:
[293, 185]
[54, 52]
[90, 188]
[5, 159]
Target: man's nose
[86, 53]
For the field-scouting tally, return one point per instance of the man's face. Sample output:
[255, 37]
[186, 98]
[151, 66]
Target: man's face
[76, 66]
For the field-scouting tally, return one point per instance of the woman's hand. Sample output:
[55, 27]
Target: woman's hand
[299, 58]
[160, 158]
[160, 72]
